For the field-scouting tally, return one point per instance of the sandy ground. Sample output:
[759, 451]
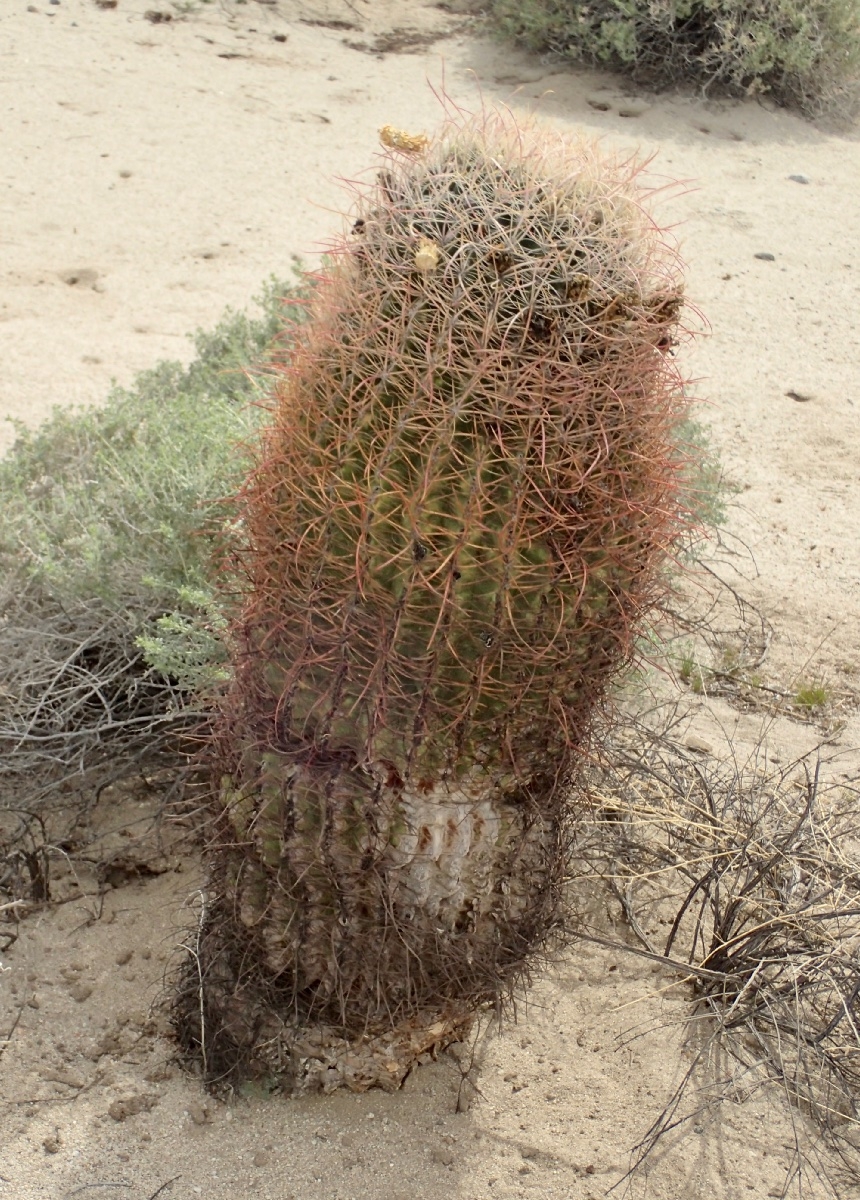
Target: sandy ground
[154, 172]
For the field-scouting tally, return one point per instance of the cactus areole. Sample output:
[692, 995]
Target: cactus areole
[457, 526]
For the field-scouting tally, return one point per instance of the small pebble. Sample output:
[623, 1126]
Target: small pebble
[800, 397]
[162, 1071]
[51, 1145]
[130, 1106]
[123, 957]
[80, 992]
[766, 257]
[261, 1159]
[198, 1112]
[799, 178]
[700, 745]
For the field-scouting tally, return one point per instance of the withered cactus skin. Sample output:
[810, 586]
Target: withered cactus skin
[457, 527]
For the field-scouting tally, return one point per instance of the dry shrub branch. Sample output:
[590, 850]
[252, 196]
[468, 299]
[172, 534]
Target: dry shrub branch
[746, 882]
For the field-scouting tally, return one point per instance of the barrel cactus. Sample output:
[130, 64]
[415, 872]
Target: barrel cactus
[456, 529]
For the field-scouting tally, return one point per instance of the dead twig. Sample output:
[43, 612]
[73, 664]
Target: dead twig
[8, 1038]
[164, 1186]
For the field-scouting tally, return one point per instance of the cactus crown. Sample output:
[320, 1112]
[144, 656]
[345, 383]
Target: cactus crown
[464, 504]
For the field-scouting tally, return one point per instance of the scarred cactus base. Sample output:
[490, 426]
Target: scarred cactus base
[319, 1060]
[427, 898]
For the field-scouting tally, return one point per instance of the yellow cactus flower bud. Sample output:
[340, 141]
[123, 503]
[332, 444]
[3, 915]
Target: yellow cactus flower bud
[398, 139]
[427, 255]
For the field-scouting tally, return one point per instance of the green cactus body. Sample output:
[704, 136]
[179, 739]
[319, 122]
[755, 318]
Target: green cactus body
[456, 528]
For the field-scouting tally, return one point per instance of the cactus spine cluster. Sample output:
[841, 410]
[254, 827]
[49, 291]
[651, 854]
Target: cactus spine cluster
[457, 526]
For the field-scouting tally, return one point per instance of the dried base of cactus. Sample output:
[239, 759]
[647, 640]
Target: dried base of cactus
[355, 923]
[237, 1026]
[235, 1035]
[304, 1061]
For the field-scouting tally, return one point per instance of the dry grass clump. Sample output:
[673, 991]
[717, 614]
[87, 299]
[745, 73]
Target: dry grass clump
[746, 882]
[803, 53]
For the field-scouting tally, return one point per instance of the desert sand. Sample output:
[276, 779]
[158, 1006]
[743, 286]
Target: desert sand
[153, 172]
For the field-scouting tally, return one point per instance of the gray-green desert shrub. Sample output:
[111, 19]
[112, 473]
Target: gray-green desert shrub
[120, 504]
[110, 637]
[805, 53]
